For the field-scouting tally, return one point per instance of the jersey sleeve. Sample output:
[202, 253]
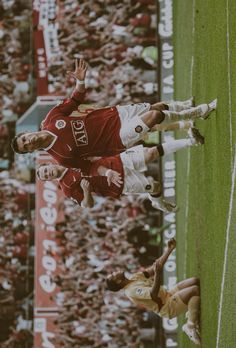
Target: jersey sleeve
[68, 105]
[64, 108]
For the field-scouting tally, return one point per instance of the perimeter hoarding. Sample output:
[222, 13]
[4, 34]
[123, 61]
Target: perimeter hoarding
[48, 214]
[45, 331]
[165, 31]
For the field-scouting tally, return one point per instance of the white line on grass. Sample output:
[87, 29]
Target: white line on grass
[226, 252]
[233, 169]
[189, 153]
[229, 82]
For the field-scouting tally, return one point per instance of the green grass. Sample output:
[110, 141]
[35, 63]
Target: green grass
[201, 234]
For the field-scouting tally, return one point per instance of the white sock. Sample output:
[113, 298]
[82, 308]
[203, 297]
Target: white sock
[186, 124]
[187, 114]
[179, 105]
[175, 145]
[181, 124]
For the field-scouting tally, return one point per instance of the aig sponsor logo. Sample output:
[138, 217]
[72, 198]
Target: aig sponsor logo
[79, 132]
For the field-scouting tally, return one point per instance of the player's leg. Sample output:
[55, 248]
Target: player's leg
[181, 105]
[134, 127]
[199, 112]
[153, 117]
[191, 297]
[188, 283]
[173, 126]
[173, 105]
[132, 130]
[134, 162]
[153, 153]
[189, 292]
[156, 197]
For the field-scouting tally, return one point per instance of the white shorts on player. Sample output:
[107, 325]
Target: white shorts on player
[132, 126]
[134, 167]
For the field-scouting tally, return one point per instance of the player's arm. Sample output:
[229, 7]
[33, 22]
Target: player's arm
[112, 175]
[157, 283]
[163, 258]
[158, 267]
[68, 105]
[87, 201]
[79, 75]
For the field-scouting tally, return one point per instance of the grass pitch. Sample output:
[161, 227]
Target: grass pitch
[205, 66]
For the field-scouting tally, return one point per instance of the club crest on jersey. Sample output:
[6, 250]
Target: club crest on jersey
[79, 132]
[60, 124]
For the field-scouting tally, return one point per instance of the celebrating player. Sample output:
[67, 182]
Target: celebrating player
[102, 132]
[114, 175]
[141, 289]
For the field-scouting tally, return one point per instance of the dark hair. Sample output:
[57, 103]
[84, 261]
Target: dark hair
[113, 286]
[14, 144]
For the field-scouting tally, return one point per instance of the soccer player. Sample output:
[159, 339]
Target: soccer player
[102, 132]
[115, 175]
[142, 289]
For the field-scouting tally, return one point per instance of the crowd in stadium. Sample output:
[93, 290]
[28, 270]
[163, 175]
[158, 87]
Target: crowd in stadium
[117, 40]
[92, 245]
[15, 66]
[122, 62]
[122, 58]
[16, 265]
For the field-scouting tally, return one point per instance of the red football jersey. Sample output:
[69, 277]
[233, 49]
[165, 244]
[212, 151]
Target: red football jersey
[70, 182]
[96, 134]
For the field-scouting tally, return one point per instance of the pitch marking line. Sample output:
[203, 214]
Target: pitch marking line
[226, 252]
[229, 82]
[189, 153]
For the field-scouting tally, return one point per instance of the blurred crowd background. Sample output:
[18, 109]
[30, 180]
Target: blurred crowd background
[16, 262]
[16, 70]
[91, 246]
[118, 40]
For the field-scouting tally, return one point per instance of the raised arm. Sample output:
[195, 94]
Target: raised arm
[163, 258]
[68, 105]
[88, 201]
[79, 75]
[157, 269]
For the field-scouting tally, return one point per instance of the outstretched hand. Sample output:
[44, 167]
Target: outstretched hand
[113, 177]
[80, 70]
[85, 185]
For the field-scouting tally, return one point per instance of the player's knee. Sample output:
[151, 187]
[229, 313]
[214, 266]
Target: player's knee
[156, 116]
[148, 155]
[195, 290]
[195, 281]
[159, 106]
[152, 154]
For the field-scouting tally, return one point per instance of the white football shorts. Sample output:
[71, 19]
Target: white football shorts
[132, 127]
[134, 166]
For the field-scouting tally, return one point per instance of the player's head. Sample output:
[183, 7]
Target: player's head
[49, 171]
[26, 142]
[116, 281]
